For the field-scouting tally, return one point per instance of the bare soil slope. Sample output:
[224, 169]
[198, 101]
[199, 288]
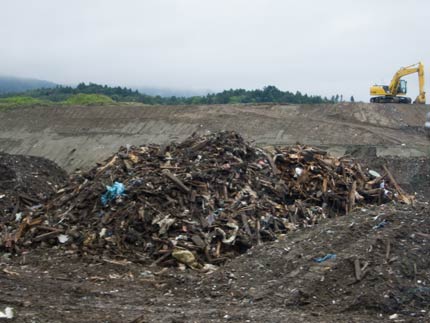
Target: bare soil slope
[80, 136]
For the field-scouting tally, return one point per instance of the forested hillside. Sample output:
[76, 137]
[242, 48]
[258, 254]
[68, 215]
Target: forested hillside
[121, 94]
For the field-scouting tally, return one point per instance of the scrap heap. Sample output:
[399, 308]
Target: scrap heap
[201, 201]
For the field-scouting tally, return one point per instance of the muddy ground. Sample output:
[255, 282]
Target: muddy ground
[274, 282]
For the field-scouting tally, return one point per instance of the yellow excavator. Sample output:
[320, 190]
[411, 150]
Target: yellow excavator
[394, 92]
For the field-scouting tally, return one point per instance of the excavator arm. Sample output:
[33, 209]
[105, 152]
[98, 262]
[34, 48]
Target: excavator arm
[395, 81]
[421, 98]
[415, 68]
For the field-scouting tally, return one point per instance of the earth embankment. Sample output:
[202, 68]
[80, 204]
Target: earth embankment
[78, 137]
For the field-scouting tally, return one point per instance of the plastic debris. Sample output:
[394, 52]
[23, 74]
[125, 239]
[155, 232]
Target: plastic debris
[117, 189]
[374, 174]
[209, 268]
[18, 217]
[380, 225]
[213, 216]
[102, 232]
[63, 238]
[326, 257]
[298, 172]
[8, 313]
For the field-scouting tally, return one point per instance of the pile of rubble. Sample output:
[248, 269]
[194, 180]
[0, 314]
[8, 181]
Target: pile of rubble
[202, 201]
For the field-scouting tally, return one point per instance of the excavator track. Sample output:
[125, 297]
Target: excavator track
[391, 99]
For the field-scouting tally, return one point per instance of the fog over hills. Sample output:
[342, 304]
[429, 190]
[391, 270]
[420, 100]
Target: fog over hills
[11, 84]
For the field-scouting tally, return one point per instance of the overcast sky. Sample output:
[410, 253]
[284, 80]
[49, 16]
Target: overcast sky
[316, 47]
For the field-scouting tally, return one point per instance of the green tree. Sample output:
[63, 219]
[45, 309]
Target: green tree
[269, 94]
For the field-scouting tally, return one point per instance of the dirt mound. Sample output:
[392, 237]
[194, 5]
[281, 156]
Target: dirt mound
[203, 201]
[27, 181]
[376, 270]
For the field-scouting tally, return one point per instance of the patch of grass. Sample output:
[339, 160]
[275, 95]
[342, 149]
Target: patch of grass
[77, 99]
[89, 99]
[18, 101]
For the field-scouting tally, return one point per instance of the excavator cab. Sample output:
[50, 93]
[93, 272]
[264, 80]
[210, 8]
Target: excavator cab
[402, 88]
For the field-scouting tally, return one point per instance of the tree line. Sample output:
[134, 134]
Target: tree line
[269, 94]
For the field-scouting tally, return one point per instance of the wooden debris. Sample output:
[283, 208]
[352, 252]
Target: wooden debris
[402, 195]
[223, 197]
[357, 269]
[176, 181]
[388, 250]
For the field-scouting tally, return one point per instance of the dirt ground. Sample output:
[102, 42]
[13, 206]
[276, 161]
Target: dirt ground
[381, 271]
[275, 282]
[272, 282]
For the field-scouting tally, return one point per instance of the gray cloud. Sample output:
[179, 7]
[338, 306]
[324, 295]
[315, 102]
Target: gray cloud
[317, 47]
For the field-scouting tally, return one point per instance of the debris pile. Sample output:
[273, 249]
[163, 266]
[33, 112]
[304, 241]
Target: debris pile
[204, 200]
[346, 266]
[26, 181]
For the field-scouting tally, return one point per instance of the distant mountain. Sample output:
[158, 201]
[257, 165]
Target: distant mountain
[10, 84]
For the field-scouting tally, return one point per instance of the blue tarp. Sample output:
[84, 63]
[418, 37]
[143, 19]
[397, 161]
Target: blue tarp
[117, 189]
[326, 257]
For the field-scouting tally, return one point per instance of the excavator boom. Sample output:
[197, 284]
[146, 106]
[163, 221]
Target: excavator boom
[421, 98]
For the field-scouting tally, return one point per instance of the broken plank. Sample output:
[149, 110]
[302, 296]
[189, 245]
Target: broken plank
[176, 181]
